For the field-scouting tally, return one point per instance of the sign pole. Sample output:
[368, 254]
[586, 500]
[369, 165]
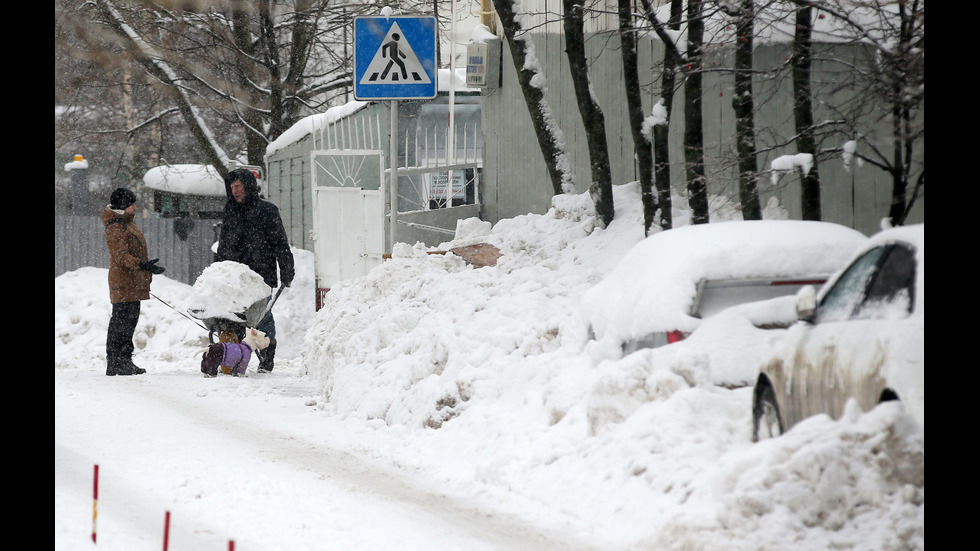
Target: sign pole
[393, 179]
[395, 59]
[451, 137]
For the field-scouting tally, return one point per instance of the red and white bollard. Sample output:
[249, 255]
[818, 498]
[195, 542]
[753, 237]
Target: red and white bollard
[95, 500]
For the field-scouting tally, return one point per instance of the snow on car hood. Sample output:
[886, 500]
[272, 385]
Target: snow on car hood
[654, 285]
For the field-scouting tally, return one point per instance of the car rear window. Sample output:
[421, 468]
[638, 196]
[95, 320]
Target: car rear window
[713, 296]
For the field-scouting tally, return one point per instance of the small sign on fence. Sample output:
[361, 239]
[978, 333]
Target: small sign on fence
[436, 182]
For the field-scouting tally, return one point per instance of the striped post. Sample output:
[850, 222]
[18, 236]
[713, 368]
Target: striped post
[95, 500]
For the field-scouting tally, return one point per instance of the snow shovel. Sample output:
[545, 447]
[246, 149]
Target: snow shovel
[249, 314]
[254, 319]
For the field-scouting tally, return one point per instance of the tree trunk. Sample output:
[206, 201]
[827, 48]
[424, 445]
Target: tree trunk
[285, 87]
[634, 102]
[661, 132]
[245, 67]
[803, 110]
[592, 117]
[693, 132]
[537, 107]
[899, 177]
[903, 134]
[744, 106]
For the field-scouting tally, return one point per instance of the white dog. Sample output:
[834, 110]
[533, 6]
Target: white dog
[234, 355]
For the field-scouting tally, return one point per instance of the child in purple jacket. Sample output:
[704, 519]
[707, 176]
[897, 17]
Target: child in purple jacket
[233, 354]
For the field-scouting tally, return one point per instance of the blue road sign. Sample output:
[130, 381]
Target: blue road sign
[395, 58]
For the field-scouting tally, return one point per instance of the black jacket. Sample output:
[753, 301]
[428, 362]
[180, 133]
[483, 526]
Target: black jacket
[252, 233]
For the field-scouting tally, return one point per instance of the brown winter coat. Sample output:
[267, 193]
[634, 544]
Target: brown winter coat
[127, 246]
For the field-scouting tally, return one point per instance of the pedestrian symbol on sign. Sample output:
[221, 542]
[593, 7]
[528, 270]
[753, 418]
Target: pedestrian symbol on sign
[391, 49]
[395, 62]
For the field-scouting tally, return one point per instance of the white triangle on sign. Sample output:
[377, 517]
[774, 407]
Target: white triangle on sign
[395, 62]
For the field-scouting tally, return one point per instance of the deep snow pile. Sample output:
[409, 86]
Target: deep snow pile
[647, 449]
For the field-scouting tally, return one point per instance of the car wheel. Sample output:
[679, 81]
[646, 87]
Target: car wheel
[766, 419]
[887, 395]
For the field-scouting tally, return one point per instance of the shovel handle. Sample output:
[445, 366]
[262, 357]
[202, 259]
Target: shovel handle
[268, 308]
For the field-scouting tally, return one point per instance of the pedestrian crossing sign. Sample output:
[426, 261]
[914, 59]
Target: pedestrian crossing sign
[394, 58]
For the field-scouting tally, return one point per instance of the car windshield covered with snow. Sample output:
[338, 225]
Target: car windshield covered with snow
[667, 284]
[863, 339]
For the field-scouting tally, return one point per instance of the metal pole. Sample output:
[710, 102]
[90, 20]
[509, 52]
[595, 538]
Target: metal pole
[451, 137]
[393, 178]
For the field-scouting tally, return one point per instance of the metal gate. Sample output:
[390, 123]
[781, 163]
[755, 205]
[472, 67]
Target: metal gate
[352, 199]
[348, 215]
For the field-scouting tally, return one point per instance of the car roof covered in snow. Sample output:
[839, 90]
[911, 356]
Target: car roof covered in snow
[654, 285]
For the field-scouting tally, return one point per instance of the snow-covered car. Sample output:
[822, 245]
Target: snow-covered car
[862, 337]
[667, 284]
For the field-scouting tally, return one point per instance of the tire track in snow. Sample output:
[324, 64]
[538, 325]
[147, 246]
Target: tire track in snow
[355, 474]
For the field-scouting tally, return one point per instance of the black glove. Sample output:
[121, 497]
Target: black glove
[151, 266]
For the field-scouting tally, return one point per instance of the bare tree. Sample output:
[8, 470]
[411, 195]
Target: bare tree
[229, 77]
[803, 108]
[886, 86]
[157, 67]
[592, 117]
[641, 143]
[742, 13]
[105, 107]
[661, 130]
[697, 187]
[245, 62]
[671, 64]
[894, 83]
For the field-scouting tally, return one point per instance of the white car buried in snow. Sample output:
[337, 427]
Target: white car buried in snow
[861, 338]
[667, 284]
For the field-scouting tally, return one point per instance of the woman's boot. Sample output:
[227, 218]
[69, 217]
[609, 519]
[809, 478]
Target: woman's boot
[121, 366]
[133, 368]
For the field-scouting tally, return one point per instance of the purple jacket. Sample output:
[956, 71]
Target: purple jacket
[229, 354]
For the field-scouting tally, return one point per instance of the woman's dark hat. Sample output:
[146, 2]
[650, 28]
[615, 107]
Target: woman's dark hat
[121, 199]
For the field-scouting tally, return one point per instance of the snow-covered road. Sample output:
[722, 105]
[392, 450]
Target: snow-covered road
[290, 467]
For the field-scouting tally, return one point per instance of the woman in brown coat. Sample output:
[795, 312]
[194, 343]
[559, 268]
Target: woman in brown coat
[130, 274]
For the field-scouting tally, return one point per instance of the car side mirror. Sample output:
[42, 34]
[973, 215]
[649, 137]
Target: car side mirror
[806, 304]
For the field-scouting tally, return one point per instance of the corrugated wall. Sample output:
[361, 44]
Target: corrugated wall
[79, 241]
[286, 173]
[516, 180]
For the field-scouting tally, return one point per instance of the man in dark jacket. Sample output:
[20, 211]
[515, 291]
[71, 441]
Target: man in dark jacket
[252, 234]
